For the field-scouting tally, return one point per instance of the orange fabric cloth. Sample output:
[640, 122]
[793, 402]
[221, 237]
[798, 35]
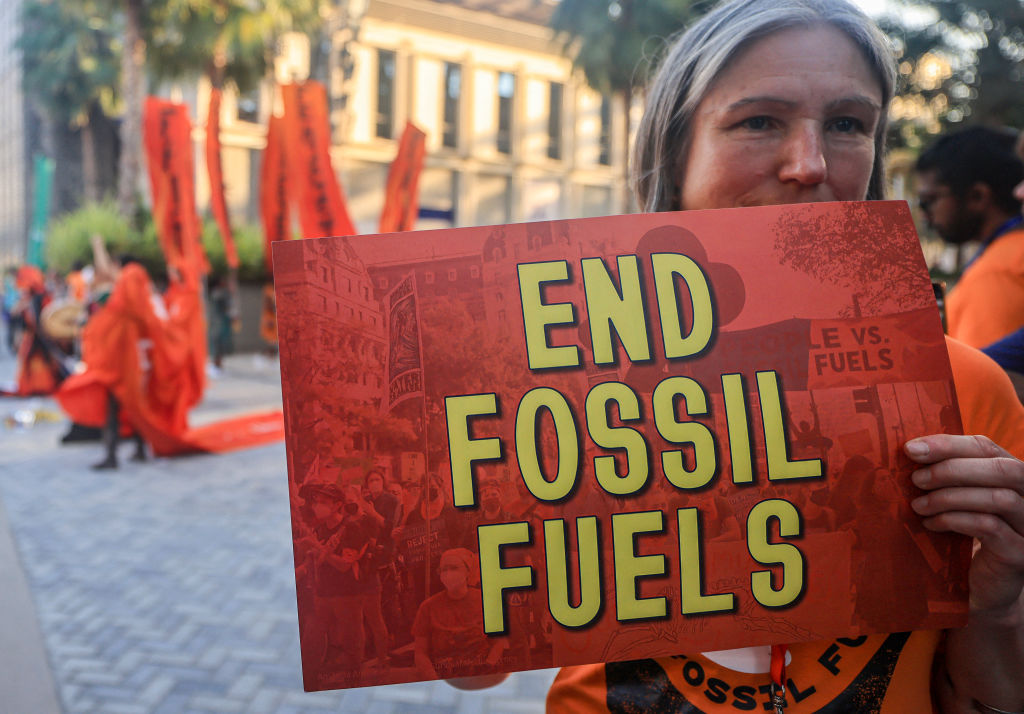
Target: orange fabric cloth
[315, 185]
[401, 202]
[78, 289]
[37, 371]
[156, 370]
[29, 279]
[890, 674]
[988, 403]
[167, 140]
[988, 301]
[274, 190]
[218, 203]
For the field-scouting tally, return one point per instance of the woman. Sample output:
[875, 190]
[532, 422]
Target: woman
[449, 624]
[771, 102]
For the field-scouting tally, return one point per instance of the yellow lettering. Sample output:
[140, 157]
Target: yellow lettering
[691, 571]
[463, 450]
[738, 427]
[780, 468]
[629, 567]
[766, 553]
[526, 444]
[692, 432]
[607, 308]
[495, 579]
[557, 555]
[666, 267]
[538, 316]
[608, 437]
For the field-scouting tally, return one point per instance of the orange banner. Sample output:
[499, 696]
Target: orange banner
[322, 210]
[218, 204]
[402, 199]
[274, 189]
[168, 144]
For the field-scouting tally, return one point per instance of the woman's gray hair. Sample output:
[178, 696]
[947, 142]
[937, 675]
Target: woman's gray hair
[702, 52]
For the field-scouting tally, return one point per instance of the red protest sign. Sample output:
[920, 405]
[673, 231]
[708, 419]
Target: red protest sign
[613, 438]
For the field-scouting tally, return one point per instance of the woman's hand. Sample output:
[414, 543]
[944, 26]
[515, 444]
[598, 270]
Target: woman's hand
[974, 487]
[482, 681]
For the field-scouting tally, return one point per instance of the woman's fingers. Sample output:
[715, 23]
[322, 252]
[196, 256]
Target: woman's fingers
[975, 488]
[939, 447]
[1001, 503]
[999, 472]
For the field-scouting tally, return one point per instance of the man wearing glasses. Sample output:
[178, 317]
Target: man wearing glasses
[966, 183]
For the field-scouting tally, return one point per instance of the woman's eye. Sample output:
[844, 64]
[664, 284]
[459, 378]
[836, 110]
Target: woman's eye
[848, 125]
[758, 123]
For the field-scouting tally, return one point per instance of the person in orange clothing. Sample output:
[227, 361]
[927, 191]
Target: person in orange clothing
[115, 347]
[138, 377]
[965, 184]
[1008, 352]
[766, 102]
[41, 366]
[78, 284]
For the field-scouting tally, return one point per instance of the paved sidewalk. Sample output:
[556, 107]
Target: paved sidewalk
[168, 586]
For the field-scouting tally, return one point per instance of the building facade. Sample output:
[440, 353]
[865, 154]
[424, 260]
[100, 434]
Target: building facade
[513, 133]
[14, 173]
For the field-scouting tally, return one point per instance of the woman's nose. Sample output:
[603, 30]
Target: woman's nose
[1018, 191]
[803, 156]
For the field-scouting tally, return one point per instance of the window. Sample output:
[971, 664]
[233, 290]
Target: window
[382, 283]
[605, 140]
[430, 277]
[506, 97]
[249, 105]
[452, 92]
[474, 271]
[385, 93]
[555, 121]
[452, 275]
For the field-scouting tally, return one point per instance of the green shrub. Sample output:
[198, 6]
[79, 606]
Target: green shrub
[68, 241]
[248, 242]
[68, 238]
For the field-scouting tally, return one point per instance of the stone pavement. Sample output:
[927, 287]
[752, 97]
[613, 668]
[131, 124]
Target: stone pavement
[168, 586]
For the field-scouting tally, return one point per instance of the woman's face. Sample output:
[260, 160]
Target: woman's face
[791, 120]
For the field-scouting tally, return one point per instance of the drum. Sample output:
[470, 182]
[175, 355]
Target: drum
[61, 319]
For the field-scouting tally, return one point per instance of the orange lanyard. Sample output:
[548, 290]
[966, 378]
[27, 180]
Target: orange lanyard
[778, 690]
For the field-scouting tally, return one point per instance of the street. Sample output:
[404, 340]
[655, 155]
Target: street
[167, 586]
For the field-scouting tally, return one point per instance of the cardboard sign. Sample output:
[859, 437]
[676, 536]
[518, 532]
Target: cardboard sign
[554, 443]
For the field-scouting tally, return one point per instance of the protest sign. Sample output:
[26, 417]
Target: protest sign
[563, 442]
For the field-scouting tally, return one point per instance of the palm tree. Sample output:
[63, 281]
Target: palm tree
[133, 55]
[610, 40]
[227, 41]
[69, 63]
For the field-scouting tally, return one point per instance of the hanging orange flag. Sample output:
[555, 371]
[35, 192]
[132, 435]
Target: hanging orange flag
[168, 144]
[218, 204]
[322, 210]
[274, 189]
[402, 199]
